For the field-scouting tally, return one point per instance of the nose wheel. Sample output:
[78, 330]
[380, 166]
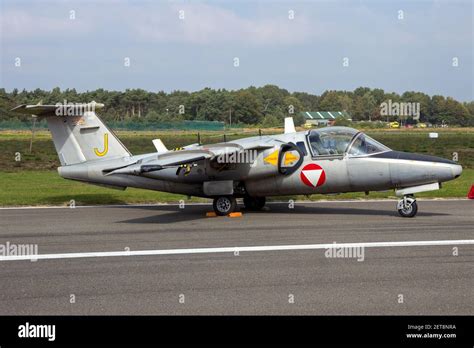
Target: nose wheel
[407, 207]
[224, 205]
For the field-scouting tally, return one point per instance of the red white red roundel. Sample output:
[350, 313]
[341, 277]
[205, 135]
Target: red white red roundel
[313, 175]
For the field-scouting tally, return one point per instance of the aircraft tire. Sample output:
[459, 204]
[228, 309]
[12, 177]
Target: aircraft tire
[409, 212]
[224, 205]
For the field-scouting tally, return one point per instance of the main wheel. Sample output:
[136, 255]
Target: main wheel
[254, 203]
[408, 210]
[224, 205]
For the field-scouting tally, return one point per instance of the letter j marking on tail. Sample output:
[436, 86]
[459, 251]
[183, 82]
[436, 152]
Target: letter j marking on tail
[106, 147]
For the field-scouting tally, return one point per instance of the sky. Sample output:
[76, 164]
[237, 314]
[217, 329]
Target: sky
[308, 46]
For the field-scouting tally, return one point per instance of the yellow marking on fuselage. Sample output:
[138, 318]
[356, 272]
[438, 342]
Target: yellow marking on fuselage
[272, 158]
[106, 147]
[289, 158]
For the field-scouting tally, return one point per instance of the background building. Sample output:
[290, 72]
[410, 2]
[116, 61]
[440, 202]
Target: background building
[323, 118]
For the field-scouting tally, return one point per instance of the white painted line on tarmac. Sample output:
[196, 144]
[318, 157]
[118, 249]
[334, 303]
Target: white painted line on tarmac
[234, 249]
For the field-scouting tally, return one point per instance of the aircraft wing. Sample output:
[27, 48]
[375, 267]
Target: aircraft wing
[184, 157]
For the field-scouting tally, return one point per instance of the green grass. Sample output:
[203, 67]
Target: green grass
[48, 188]
[23, 188]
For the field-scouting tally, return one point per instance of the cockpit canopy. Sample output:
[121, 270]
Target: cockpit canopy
[337, 141]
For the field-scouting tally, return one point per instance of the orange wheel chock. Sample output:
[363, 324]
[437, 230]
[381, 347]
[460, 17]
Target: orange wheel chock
[232, 215]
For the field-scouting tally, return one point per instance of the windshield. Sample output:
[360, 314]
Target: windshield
[365, 145]
[330, 141]
[336, 141]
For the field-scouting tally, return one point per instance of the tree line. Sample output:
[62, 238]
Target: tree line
[263, 106]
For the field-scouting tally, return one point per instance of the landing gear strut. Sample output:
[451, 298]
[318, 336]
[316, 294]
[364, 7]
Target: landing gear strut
[224, 205]
[407, 206]
[254, 203]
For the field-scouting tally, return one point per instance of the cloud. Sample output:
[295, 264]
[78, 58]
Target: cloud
[206, 24]
[158, 22]
[20, 24]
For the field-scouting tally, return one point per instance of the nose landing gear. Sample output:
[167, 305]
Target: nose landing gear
[407, 206]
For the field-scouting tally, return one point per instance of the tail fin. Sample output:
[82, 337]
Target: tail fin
[79, 135]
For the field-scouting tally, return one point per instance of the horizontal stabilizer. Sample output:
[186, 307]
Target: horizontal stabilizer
[58, 109]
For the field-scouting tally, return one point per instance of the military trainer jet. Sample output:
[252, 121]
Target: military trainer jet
[321, 161]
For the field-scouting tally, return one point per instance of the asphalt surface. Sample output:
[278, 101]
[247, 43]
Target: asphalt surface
[430, 278]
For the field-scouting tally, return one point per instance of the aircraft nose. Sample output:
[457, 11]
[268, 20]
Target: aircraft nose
[421, 168]
[448, 171]
[456, 169]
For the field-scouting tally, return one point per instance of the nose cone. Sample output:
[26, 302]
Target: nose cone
[445, 172]
[416, 169]
[457, 170]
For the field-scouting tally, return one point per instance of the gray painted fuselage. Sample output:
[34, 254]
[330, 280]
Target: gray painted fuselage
[343, 173]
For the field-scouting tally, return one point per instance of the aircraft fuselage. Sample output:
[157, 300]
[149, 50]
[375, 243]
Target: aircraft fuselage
[314, 174]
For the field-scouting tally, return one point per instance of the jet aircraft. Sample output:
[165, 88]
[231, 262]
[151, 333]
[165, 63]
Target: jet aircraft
[328, 160]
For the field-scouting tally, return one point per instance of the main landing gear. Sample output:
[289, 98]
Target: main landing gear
[407, 206]
[224, 205]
